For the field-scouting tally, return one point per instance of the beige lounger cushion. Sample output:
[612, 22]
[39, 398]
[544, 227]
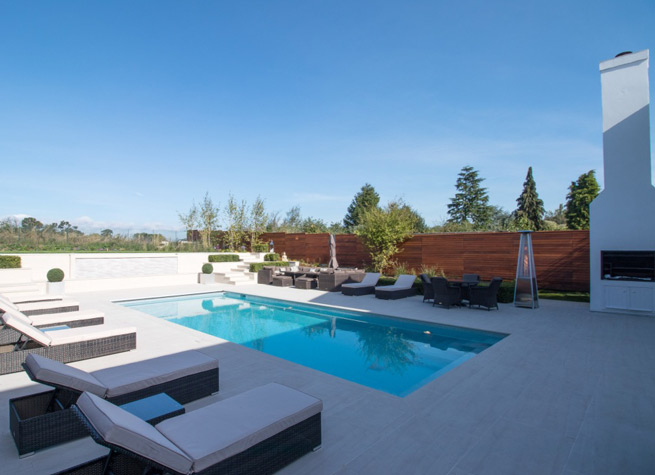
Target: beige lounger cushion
[223, 429]
[26, 307]
[126, 430]
[54, 318]
[142, 374]
[47, 370]
[5, 304]
[74, 335]
[15, 320]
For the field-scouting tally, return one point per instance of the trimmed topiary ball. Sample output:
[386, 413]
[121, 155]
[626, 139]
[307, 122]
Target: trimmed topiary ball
[207, 268]
[55, 275]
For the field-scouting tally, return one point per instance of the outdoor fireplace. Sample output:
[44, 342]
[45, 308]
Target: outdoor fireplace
[622, 228]
[628, 265]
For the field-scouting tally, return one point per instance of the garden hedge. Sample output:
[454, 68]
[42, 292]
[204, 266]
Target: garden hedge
[259, 247]
[257, 266]
[223, 258]
[272, 256]
[10, 262]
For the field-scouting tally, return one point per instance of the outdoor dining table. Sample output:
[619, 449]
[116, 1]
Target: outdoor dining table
[464, 286]
[296, 274]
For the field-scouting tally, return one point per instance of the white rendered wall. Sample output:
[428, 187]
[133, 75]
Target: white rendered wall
[622, 217]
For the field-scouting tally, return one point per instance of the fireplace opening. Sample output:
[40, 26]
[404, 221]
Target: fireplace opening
[628, 265]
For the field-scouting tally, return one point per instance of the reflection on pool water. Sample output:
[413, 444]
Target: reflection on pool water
[392, 355]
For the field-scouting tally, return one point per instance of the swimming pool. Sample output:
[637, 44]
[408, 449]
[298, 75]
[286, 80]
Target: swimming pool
[388, 354]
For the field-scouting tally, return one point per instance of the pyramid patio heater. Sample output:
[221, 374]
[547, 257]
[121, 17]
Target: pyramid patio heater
[525, 290]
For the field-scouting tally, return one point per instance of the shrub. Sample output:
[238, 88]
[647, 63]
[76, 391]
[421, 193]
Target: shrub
[506, 292]
[259, 247]
[272, 256]
[257, 266]
[55, 275]
[207, 268]
[223, 258]
[10, 262]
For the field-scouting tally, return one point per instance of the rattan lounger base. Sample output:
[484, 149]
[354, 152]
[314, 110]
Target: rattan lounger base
[12, 361]
[45, 419]
[357, 290]
[395, 294]
[266, 457]
[44, 311]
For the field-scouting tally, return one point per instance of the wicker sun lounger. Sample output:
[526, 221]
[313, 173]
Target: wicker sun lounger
[41, 420]
[259, 431]
[366, 286]
[401, 289]
[81, 318]
[72, 344]
[41, 307]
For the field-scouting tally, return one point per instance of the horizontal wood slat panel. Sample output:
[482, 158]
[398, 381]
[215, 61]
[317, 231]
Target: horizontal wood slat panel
[561, 257]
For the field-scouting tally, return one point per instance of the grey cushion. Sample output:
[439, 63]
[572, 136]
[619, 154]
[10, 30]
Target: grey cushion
[119, 427]
[142, 374]
[59, 374]
[223, 429]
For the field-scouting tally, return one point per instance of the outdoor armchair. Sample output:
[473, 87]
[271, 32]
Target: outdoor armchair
[428, 293]
[403, 287]
[258, 431]
[444, 294]
[486, 296]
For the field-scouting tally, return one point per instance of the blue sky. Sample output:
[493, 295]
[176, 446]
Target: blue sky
[119, 114]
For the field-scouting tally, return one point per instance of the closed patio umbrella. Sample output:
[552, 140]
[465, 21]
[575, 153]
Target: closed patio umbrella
[333, 264]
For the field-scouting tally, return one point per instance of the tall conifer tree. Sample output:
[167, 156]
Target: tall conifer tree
[530, 209]
[471, 202]
[366, 198]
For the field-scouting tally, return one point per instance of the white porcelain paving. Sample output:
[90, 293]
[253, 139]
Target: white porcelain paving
[569, 391]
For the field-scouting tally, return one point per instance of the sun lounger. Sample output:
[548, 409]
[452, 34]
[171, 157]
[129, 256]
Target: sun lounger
[45, 419]
[81, 318]
[366, 286]
[31, 297]
[72, 344]
[258, 431]
[402, 288]
[39, 308]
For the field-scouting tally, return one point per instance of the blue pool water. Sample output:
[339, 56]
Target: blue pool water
[392, 355]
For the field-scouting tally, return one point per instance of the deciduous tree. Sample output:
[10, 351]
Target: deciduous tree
[581, 193]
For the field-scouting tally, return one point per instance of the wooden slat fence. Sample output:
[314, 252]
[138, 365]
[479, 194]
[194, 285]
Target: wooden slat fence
[561, 257]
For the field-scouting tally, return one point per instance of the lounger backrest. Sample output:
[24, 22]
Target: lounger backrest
[118, 427]
[405, 281]
[47, 371]
[371, 278]
[15, 320]
[5, 303]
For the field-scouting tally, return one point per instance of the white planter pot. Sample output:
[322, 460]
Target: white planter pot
[206, 278]
[55, 288]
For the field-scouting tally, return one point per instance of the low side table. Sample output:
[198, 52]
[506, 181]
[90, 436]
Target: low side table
[155, 409]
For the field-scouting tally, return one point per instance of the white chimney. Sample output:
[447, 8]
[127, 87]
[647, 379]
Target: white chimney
[622, 225]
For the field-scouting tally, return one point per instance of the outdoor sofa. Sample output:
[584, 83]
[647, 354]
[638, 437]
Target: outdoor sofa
[68, 345]
[331, 280]
[259, 431]
[44, 419]
[403, 287]
[366, 286]
[81, 318]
